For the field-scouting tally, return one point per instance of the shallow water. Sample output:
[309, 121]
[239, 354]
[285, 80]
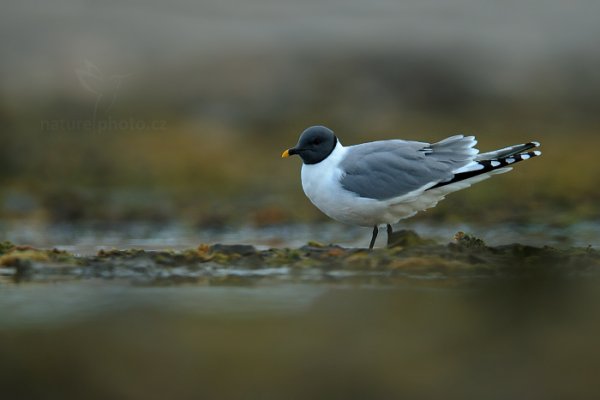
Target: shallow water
[524, 339]
[146, 325]
[44, 305]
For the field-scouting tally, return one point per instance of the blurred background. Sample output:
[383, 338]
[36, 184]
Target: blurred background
[130, 111]
[160, 125]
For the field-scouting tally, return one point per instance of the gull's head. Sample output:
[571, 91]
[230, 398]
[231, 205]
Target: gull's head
[315, 144]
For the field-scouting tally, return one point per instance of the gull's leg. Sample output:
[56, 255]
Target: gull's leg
[375, 232]
[390, 232]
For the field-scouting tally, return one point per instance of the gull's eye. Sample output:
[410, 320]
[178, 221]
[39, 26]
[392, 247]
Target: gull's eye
[316, 141]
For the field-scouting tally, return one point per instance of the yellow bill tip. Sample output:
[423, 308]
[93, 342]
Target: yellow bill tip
[285, 154]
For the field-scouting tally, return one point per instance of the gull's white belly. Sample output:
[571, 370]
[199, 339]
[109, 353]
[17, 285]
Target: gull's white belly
[346, 207]
[323, 189]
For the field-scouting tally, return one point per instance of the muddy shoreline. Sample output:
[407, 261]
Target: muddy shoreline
[408, 257]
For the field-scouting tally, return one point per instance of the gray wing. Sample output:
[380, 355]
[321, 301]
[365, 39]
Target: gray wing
[390, 168]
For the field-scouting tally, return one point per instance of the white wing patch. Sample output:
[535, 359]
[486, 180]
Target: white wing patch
[474, 166]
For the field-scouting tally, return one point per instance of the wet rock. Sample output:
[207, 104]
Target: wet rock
[131, 253]
[229, 249]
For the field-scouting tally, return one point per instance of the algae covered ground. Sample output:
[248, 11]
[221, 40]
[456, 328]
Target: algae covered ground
[407, 256]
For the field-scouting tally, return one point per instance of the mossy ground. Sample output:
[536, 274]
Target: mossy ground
[409, 256]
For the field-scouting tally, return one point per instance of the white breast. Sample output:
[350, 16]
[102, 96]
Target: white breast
[321, 184]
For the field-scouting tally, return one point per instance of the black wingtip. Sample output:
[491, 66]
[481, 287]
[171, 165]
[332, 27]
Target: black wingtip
[491, 165]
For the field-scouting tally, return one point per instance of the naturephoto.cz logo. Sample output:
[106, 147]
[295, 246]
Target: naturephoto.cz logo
[102, 125]
[105, 90]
